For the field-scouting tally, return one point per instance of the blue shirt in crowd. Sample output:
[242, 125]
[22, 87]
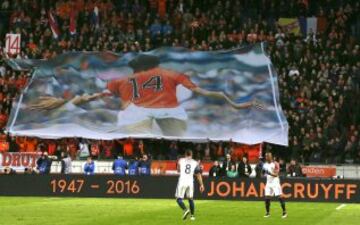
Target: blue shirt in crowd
[145, 168]
[134, 168]
[89, 168]
[119, 167]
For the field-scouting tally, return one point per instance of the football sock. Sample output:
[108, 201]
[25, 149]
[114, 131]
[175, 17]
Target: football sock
[282, 203]
[267, 205]
[192, 206]
[181, 203]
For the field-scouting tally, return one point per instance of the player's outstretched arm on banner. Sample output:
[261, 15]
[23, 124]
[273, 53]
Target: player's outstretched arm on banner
[48, 103]
[78, 100]
[222, 95]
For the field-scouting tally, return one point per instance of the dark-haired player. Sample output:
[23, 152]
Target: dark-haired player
[272, 187]
[187, 167]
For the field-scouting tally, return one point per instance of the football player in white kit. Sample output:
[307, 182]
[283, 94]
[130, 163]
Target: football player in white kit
[187, 167]
[272, 187]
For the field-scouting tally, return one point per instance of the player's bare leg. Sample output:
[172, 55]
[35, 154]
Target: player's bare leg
[144, 126]
[172, 126]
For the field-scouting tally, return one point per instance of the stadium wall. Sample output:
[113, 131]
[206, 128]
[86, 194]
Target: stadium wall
[250, 189]
[19, 161]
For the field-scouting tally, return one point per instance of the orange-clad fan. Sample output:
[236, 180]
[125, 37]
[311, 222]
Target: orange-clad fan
[4, 144]
[51, 147]
[21, 143]
[95, 149]
[3, 119]
[30, 144]
[107, 147]
[128, 147]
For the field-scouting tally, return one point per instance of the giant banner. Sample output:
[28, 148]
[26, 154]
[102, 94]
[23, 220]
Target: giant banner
[168, 93]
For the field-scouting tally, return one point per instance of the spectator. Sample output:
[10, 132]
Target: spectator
[29, 171]
[215, 170]
[107, 148]
[259, 168]
[83, 149]
[173, 151]
[119, 166]
[4, 143]
[43, 164]
[9, 171]
[51, 147]
[31, 144]
[226, 165]
[282, 165]
[145, 166]
[94, 149]
[244, 168]
[128, 146]
[294, 169]
[350, 149]
[232, 173]
[13, 147]
[89, 166]
[155, 29]
[167, 29]
[66, 163]
[133, 167]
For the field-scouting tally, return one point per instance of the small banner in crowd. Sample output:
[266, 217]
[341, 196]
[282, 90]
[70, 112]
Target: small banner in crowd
[12, 44]
[166, 93]
[312, 25]
[290, 25]
[18, 160]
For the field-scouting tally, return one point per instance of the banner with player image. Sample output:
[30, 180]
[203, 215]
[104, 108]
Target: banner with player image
[165, 93]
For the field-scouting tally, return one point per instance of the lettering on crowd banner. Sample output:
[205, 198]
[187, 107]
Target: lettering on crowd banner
[12, 44]
[17, 160]
[168, 93]
[319, 171]
[296, 189]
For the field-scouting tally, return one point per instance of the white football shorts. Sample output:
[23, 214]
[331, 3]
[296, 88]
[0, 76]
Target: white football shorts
[135, 114]
[184, 191]
[273, 190]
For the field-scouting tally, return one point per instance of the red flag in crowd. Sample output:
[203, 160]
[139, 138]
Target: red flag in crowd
[54, 25]
[162, 8]
[72, 27]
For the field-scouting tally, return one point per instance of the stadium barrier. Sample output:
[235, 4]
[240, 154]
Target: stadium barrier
[296, 189]
[18, 161]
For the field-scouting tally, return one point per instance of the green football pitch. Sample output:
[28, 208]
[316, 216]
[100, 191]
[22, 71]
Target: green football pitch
[88, 211]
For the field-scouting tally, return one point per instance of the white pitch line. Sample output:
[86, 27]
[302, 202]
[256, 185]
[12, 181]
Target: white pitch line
[340, 206]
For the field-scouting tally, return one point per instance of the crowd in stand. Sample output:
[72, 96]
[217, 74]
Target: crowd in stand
[319, 73]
